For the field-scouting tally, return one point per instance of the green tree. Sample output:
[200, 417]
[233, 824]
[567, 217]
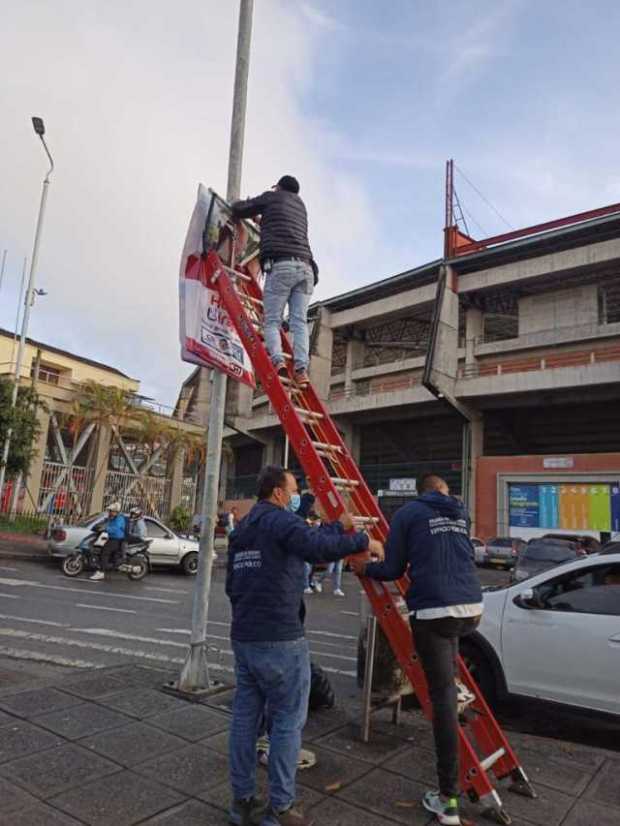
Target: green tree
[22, 419]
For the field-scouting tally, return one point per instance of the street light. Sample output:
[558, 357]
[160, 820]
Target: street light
[39, 128]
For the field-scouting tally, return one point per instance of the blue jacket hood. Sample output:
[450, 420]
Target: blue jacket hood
[446, 505]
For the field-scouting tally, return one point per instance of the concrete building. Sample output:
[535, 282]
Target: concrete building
[521, 340]
[83, 462]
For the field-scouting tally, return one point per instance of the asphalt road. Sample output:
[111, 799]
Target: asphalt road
[48, 617]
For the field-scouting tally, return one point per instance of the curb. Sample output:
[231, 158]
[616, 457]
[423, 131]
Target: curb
[27, 557]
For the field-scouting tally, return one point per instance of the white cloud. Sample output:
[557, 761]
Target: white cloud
[136, 99]
[320, 18]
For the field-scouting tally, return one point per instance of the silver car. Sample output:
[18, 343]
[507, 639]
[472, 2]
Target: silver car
[504, 550]
[167, 548]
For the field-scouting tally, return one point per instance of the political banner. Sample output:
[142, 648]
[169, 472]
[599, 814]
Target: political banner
[208, 337]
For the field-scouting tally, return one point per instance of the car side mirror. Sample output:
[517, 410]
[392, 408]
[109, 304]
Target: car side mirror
[526, 599]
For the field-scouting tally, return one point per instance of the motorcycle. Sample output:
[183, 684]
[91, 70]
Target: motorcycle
[135, 561]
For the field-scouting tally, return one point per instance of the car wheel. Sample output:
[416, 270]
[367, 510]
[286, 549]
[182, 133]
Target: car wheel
[73, 565]
[189, 563]
[139, 566]
[480, 669]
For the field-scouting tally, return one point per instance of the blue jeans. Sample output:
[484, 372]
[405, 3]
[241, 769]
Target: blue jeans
[276, 673]
[290, 281]
[334, 569]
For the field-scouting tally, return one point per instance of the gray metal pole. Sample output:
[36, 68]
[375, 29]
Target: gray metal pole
[195, 671]
[28, 302]
[4, 254]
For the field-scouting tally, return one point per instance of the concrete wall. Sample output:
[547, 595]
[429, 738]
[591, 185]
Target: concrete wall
[557, 310]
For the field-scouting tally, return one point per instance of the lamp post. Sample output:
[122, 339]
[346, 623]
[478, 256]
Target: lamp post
[39, 128]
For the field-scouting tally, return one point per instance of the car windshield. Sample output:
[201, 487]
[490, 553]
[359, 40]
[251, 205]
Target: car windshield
[549, 553]
[502, 543]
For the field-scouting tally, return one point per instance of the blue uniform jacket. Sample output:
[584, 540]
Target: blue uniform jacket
[431, 537]
[116, 526]
[265, 575]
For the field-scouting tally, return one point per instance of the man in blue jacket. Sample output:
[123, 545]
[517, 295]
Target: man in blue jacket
[265, 582]
[430, 536]
[116, 527]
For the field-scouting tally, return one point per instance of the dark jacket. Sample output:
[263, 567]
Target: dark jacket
[431, 535]
[283, 227]
[265, 576]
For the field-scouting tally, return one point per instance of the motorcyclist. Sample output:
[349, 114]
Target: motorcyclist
[136, 529]
[115, 526]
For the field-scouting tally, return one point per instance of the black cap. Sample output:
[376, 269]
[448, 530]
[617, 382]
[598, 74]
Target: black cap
[289, 183]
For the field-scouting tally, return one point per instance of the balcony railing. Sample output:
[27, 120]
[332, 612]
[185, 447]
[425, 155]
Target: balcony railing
[580, 358]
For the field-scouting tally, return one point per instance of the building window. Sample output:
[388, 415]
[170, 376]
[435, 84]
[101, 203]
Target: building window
[48, 374]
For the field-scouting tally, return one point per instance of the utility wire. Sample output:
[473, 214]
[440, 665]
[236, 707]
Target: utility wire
[484, 198]
[477, 223]
[458, 203]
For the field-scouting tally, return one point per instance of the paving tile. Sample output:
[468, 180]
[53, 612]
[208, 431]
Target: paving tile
[80, 721]
[21, 738]
[220, 796]
[89, 686]
[557, 749]
[192, 813]
[132, 744]
[54, 770]
[416, 764]
[338, 813]
[331, 768]
[139, 676]
[548, 809]
[5, 718]
[217, 742]
[40, 814]
[141, 703]
[389, 795]
[123, 799]
[346, 741]
[193, 722]
[558, 773]
[40, 701]
[588, 813]
[222, 701]
[605, 788]
[13, 797]
[189, 770]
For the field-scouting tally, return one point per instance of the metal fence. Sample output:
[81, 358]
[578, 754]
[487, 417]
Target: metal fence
[188, 494]
[65, 490]
[151, 493]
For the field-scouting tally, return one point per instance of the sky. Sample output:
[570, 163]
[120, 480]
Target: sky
[362, 101]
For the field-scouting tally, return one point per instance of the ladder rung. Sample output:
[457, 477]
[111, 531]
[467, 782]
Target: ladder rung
[344, 483]
[365, 520]
[326, 446]
[303, 412]
[236, 273]
[492, 759]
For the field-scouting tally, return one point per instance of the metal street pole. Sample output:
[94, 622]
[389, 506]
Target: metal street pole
[4, 254]
[195, 671]
[30, 293]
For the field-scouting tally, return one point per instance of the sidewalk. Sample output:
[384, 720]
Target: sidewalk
[107, 747]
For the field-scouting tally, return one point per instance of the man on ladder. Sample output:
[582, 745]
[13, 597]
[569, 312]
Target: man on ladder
[290, 270]
[431, 537]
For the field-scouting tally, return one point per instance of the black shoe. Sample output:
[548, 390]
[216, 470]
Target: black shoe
[248, 812]
[282, 372]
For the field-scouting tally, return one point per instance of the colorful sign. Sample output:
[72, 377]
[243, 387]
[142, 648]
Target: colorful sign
[575, 506]
[524, 506]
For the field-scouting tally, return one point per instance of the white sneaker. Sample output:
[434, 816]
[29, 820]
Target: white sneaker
[338, 592]
[308, 591]
[97, 576]
[465, 697]
[318, 587]
[446, 810]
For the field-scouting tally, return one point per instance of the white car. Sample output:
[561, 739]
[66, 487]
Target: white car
[480, 551]
[554, 637]
[166, 548]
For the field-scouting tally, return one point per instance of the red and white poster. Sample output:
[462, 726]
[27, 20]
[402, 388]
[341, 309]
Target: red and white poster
[208, 337]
